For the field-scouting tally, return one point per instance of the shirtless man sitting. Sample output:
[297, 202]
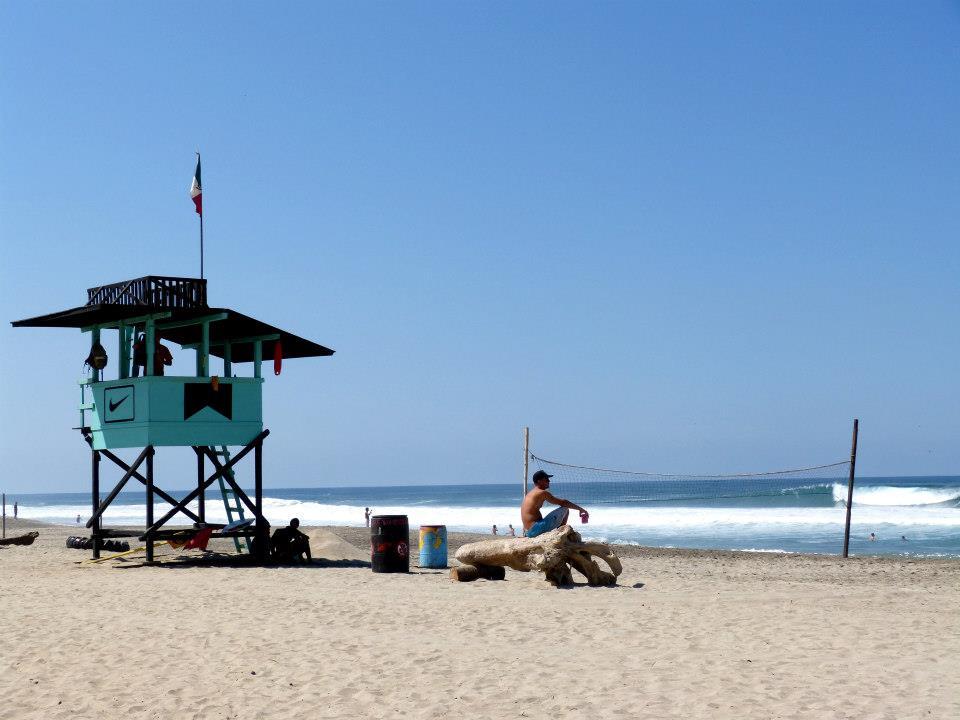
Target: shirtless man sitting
[533, 521]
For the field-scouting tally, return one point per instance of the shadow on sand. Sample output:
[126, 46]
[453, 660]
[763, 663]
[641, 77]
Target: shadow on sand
[222, 560]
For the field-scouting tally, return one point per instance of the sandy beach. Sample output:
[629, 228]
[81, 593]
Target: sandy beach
[686, 634]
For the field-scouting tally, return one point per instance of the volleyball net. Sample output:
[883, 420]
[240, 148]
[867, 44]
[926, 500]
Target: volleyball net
[603, 486]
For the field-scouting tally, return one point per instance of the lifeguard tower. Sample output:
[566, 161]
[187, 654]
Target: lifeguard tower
[207, 412]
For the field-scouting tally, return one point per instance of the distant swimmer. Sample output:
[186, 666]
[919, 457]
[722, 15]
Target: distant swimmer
[873, 537]
[494, 529]
[533, 521]
[511, 532]
[903, 538]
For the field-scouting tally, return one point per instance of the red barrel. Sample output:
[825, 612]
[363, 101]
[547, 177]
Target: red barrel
[389, 543]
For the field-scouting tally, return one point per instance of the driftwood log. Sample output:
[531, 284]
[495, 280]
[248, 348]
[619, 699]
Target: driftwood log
[554, 553]
[469, 573]
[21, 539]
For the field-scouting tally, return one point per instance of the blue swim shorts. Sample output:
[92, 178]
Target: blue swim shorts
[552, 521]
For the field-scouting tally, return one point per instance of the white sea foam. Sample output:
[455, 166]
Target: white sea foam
[604, 520]
[893, 496]
[766, 550]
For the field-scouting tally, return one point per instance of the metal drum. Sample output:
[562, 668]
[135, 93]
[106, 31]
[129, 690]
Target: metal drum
[433, 546]
[389, 543]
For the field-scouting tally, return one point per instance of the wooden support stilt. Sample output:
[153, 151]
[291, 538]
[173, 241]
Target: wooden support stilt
[149, 500]
[263, 530]
[95, 528]
[201, 505]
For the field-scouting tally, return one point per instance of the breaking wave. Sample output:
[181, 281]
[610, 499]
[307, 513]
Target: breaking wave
[893, 496]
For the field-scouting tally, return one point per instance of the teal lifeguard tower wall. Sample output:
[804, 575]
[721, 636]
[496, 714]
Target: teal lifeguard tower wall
[207, 408]
[161, 410]
[206, 411]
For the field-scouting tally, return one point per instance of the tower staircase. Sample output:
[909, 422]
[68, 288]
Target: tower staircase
[231, 503]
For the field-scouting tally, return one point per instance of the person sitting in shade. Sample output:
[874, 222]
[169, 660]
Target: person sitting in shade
[534, 523]
[289, 545]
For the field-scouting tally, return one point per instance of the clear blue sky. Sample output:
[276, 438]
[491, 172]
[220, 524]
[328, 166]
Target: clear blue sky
[676, 237]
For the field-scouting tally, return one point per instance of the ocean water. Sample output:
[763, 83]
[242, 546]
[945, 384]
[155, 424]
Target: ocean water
[808, 519]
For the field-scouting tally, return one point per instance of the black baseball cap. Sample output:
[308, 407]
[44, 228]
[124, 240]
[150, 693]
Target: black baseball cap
[541, 475]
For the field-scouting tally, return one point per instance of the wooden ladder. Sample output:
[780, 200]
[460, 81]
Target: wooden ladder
[231, 503]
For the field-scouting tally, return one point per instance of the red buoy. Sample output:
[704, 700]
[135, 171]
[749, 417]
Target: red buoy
[277, 357]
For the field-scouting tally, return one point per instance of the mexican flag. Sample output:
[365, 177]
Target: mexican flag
[196, 191]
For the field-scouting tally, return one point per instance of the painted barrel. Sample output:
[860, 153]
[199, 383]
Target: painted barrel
[433, 546]
[389, 543]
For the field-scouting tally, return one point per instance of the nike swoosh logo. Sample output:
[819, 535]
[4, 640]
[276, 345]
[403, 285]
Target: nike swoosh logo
[118, 403]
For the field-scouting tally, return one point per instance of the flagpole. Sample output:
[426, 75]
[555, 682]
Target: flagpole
[201, 227]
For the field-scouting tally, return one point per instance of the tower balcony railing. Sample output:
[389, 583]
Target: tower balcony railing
[152, 291]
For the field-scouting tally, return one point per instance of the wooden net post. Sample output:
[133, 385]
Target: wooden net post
[526, 459]
[853, 467]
